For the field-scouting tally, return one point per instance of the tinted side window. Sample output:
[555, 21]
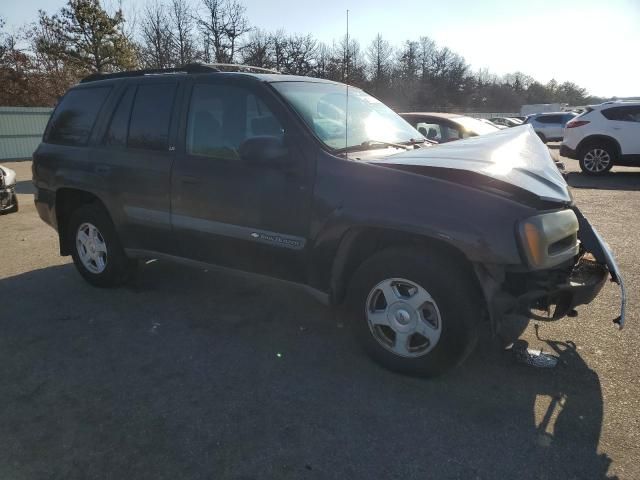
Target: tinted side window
[550, 119]
[73, 120]
[221, 117]
[116, 135]
[624, 114]
[634, 114]
[151, 117]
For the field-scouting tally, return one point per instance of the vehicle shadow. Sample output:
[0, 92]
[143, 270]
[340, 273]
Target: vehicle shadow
[190, 374]
[610, 181]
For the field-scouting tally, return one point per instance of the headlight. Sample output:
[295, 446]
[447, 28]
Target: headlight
[549, 239]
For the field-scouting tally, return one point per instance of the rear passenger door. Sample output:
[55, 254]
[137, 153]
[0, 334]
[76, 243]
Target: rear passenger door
[624, 124]
[228, 211]
[553, 126]
[135, 156]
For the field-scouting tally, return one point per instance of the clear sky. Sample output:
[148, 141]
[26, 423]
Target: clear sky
[595, 43]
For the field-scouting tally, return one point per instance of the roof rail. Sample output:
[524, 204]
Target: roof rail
[238, 67]
[622, 100]
[189, 68]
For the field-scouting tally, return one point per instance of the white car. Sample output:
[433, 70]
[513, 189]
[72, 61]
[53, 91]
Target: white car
[8, 198]
[604, 135]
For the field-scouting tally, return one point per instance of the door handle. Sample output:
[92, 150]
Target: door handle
[102, 169]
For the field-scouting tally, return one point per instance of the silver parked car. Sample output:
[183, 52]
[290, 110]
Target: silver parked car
[8, 198]
[506, 121]
[447, 127]
[550, 126]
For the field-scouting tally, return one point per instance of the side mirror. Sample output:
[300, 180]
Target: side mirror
[264, 151]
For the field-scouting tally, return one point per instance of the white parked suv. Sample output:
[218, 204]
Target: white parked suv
[604, 135]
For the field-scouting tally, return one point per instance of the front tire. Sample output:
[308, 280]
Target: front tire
[542, 137]
[415, 311]
[596, 159]
[96, 249]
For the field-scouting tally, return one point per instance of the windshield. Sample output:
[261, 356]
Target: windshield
[478, 127]
[323, 106]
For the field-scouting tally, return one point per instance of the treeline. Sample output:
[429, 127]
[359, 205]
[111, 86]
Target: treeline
[44, 58]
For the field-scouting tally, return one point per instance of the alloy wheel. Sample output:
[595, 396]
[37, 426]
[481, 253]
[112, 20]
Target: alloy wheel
[92, 248]
[597, 160]
[403, 317]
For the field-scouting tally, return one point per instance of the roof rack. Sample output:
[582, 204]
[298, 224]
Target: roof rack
[238, 67]
[625, 100]
[190, 68]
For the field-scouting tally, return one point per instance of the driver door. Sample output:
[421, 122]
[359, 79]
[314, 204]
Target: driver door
[226, 210]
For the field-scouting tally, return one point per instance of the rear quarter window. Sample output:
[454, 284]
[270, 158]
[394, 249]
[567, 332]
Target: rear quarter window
[74, 118]
[623, 114]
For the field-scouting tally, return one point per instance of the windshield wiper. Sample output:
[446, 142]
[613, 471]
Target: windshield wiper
[371, 144]
[419, 141]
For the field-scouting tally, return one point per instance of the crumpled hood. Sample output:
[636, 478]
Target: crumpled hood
[514, 155]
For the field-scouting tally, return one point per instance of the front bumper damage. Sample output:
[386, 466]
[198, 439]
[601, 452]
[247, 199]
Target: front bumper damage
[8, 199]
[595, 244]
[552, 294]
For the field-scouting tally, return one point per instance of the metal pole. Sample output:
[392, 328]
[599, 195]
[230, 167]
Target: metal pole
[346, 113]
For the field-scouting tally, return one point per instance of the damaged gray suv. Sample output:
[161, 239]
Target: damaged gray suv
[322, 186]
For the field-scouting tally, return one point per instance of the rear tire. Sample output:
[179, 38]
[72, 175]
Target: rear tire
[451, 311]
[96, 249]
[597, 158]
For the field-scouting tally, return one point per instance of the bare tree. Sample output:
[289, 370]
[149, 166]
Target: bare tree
[323, 60]
[426, 51]
[258, 50]
[279, 46]
[15, 65]
[347, 62]
[299, 54]
[223, 25]
[406, 76]
[182, 27]
[213, 31]
[156, 50]
[236, 25]
[379, 57]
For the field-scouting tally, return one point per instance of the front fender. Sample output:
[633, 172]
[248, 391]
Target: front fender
[354, 195]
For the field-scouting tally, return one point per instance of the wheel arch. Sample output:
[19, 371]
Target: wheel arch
[360, 243]
[592, 139]
[67, 201]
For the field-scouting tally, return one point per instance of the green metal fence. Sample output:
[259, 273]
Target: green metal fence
[21, 129]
